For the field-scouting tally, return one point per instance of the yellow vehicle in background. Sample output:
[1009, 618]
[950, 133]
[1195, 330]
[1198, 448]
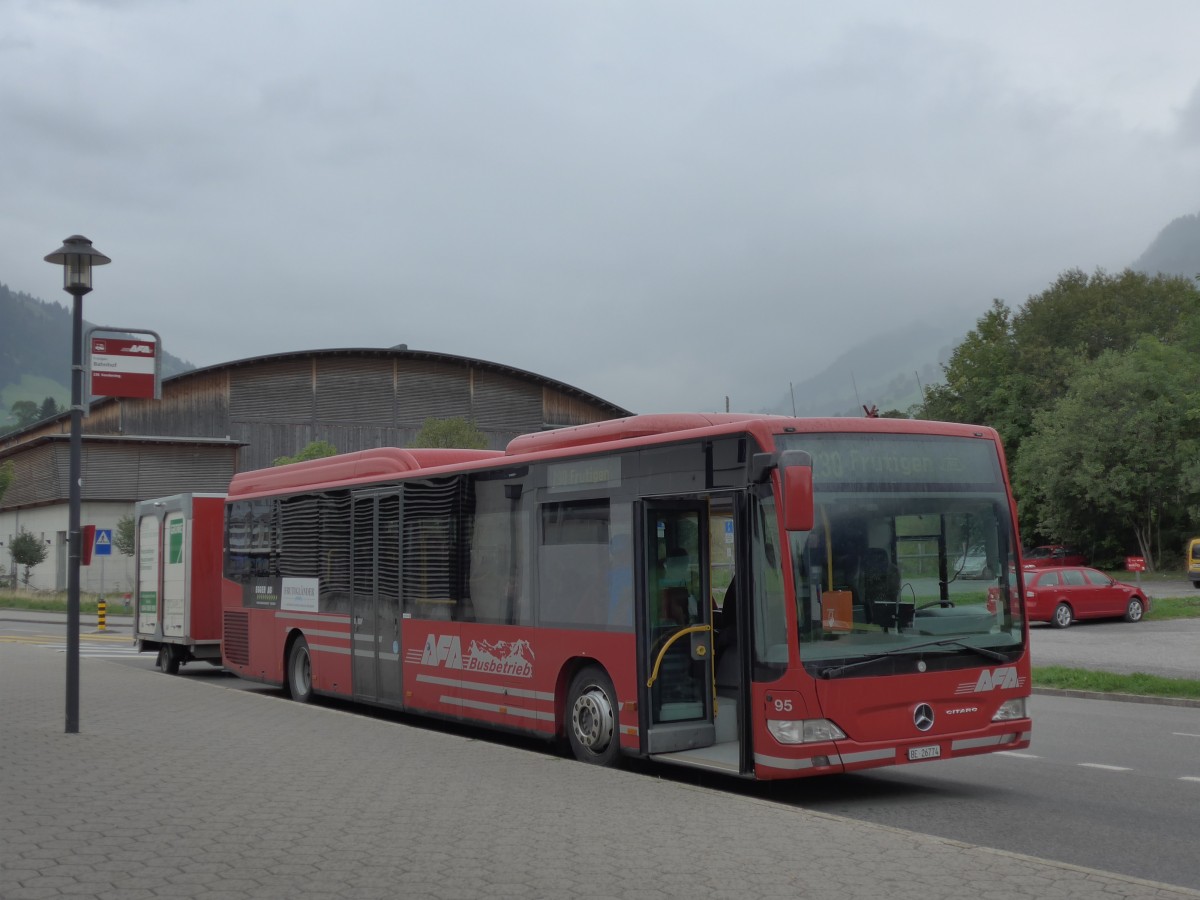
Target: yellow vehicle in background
[1193, 561]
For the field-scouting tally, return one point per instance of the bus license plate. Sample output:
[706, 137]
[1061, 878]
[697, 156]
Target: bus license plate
[915, 753]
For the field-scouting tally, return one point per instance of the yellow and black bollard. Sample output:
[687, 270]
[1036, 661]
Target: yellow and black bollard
[101, 609]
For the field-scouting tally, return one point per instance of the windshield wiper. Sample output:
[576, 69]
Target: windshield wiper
[835, 671]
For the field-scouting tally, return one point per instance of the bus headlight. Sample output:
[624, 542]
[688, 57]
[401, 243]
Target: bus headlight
[804, 731]
[1011, 709]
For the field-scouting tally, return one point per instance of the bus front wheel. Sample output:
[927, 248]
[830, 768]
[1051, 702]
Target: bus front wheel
[592, 719]
[299, 672]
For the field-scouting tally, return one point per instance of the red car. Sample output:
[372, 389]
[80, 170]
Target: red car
[1052, 555]
[1061, 594]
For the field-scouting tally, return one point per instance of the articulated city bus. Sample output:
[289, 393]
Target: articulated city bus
[764, 596]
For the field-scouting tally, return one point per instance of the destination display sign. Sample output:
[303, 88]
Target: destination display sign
[864, 458]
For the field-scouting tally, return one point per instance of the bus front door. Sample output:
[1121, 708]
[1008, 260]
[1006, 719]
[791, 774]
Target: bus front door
[375, 608]
[676, 626]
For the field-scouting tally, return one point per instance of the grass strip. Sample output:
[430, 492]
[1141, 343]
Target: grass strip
[58, 603]
[1162, 608]
[1139, 683]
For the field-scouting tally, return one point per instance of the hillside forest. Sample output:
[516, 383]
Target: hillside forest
[1094, 387]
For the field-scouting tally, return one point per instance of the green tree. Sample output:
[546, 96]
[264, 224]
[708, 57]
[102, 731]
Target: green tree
[49, 409]
[457, 433]
[977, 387]
[28, 551]
[26, 412]
[1012, 365]
[7, 474]
[124, 536]
[314, 450]
[1106, 465]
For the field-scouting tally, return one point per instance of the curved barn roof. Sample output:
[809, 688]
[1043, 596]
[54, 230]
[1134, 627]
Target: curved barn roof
[402, 351]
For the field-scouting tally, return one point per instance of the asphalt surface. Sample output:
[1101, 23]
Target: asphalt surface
[174, 788]
[1169, 648]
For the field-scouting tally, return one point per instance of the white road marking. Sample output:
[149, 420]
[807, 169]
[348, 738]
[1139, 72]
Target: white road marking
[95, 652]
[1106, 768]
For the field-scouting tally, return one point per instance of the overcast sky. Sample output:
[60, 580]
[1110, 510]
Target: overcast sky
[662, 203]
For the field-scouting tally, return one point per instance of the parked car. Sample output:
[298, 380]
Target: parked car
[974, 564]
[1061, 594]
[1052, 555]
[1193, 561]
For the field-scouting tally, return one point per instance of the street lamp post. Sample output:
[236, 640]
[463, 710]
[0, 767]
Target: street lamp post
[77, 257]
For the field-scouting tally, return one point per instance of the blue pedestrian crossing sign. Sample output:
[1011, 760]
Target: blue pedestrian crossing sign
[103, 545]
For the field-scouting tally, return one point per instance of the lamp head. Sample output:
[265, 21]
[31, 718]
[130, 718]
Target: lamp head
[77, 257]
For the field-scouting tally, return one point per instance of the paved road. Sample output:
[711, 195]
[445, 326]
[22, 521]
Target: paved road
[1104, 784]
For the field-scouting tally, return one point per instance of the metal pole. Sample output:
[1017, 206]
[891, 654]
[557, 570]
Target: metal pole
[76, 491]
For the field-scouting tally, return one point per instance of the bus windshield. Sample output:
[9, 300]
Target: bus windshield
[910, 536]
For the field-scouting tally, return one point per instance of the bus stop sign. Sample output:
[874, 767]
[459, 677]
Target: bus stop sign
[122, 367]
[123, 362]
[1135, 564]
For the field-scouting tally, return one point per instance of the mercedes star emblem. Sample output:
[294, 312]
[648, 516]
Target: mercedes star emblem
[923, 717]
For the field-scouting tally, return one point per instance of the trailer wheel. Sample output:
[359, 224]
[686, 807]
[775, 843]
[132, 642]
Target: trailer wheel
[168, 659]
[591, 718]
[299, 672]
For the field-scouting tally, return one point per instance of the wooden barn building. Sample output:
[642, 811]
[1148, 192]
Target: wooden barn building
[216, 421]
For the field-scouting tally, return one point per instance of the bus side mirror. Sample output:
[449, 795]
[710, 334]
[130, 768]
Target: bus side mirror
[795, 469]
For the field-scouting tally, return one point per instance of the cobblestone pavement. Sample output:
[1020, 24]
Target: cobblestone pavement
[175, 788]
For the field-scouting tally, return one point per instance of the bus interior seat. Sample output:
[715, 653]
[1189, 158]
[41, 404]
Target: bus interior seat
[881, 587]
[674, 605]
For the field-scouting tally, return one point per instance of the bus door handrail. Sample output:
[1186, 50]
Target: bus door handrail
[690, 629]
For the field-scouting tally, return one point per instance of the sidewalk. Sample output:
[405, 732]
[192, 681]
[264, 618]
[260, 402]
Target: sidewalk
[233, 794]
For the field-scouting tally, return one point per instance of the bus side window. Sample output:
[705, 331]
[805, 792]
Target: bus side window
[430, 558]
[496, 534]
[573, 570]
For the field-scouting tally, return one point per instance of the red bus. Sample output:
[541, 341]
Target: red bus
[764, 596]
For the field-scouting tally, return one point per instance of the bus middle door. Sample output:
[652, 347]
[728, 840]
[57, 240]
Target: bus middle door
[676, 627]
[375, 603]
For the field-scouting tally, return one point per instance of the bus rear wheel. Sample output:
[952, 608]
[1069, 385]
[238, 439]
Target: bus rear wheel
[592, 719]
[299, 672]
